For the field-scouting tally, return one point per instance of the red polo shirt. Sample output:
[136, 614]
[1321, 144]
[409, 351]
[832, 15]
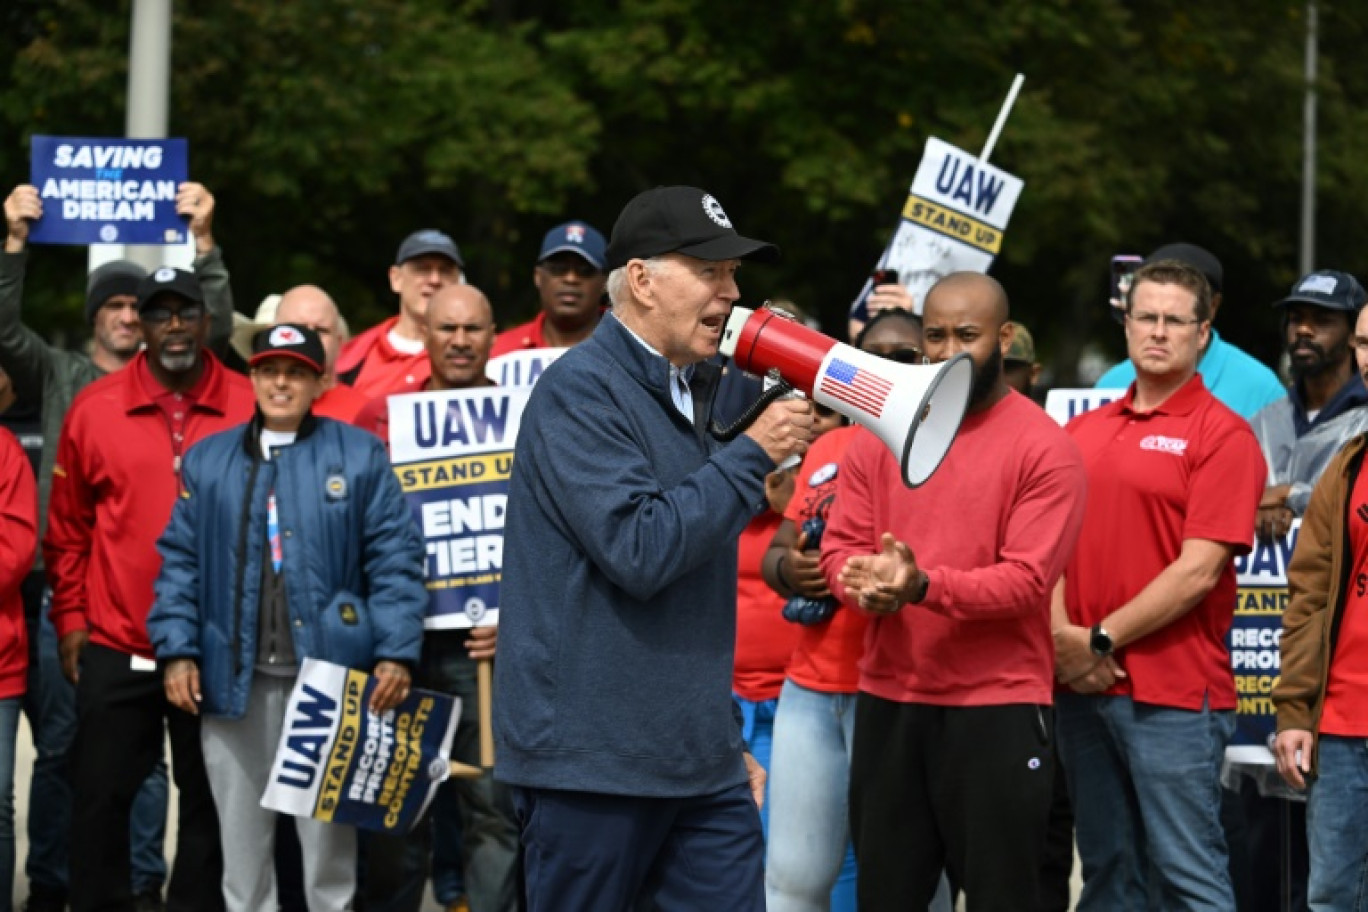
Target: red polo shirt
[521, 338]
[340, 403]
[1190, 468]
[374, 367]
[115, 481]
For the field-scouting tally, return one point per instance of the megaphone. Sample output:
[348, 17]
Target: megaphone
[915, 410]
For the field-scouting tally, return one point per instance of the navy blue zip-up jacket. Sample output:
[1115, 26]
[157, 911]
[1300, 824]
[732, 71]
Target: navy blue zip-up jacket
[351, 556]
[618, 602]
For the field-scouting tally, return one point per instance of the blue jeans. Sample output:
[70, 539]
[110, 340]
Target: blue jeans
[1146, 790]
[51, 708]
[9, 726]
[810, 865]
[1337, 826]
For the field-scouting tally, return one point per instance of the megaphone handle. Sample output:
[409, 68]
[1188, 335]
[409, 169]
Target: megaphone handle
[773, 381]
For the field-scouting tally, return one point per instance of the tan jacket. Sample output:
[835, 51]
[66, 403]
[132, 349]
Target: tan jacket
[1317, 578]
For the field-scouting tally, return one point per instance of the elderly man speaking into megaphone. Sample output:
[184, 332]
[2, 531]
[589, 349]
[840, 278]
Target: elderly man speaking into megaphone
[613, 715]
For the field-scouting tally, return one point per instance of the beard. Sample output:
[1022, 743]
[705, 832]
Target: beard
[985, 378]
[1320, 361]
[178, 363]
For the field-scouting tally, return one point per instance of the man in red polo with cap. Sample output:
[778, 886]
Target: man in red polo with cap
[116, 478]
[570, 280]
[389, 356]
[1147, 707]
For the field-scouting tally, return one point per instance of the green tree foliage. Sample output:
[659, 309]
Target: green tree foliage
[328, 130]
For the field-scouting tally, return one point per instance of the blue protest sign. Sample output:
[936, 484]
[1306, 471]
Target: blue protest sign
[108, 191]
[453, 454]
[337, 761]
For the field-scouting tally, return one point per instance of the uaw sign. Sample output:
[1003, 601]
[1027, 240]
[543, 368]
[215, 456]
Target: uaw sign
[953, 221]
[108, 191]
[453, 454]
[521, 368]
[339, 762]
[1261, 598]
[1254, 638]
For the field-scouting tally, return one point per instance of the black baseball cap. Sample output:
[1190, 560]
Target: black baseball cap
[1199, 258]
[428, 241]
[680, 220]
[289, 340]
[169, 281]
[1327, 288]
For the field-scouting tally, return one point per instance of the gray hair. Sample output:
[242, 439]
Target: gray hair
[617, 279]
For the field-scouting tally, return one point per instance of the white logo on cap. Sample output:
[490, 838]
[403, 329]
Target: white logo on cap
[165, 274]
[1319, 284]
[713, 209]
[285, 335]
[574, 234]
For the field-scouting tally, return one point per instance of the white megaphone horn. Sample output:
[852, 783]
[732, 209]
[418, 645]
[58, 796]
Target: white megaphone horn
[914, 409]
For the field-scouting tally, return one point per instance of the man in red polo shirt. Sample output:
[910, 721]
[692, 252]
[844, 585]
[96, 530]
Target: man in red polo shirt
[116, 477]
[387, 357]
[1174, 480]
[952, 766]
[570, 278]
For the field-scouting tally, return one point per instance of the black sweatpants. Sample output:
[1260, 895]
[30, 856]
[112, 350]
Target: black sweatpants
[119, 731]
[961, 789]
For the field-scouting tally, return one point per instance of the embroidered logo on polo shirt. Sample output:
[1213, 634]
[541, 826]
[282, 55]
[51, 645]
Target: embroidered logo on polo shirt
[1362, 512]
[1175, 445]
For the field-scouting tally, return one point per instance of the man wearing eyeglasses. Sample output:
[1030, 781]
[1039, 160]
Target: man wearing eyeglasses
[116, 478]
[570, 279]
[1147, 704]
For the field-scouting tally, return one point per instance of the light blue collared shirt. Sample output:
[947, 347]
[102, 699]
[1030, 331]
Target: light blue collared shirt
[680, 394]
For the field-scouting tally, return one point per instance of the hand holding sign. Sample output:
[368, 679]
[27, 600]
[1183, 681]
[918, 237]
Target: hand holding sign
[22, 206]
[195, 203]
[391, 687]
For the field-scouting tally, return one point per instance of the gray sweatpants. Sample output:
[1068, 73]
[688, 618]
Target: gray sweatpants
[237, 757]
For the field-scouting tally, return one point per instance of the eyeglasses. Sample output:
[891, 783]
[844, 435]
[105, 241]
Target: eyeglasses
[905, 356]
[190, 313]
[560, 268]
[1148, 321]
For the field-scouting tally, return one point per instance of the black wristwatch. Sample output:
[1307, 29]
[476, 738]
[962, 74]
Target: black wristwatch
[1100, 642]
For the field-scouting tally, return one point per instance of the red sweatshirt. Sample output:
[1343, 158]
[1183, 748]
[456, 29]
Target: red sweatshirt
[116, 478]
[993, 529]
[18, 541]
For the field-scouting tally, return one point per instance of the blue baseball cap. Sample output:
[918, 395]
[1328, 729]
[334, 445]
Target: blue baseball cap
[575, 237]
[1327, 288]
[421, 243]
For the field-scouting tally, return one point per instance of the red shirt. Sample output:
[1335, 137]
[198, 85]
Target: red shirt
[1346, 711]
[992, 528]
[374, 367]
[18, 541]
[1190, 468]
[764, 640]
[827, 656]
[115, 480]
[374, 415]
[340, 402]
[531, 334]
[520, 338]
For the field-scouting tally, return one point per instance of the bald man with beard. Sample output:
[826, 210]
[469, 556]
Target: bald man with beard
[311, 306]
[952, 764]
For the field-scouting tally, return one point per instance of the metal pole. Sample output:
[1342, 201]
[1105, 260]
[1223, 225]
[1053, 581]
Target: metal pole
[1308, 213]
[149, 93]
